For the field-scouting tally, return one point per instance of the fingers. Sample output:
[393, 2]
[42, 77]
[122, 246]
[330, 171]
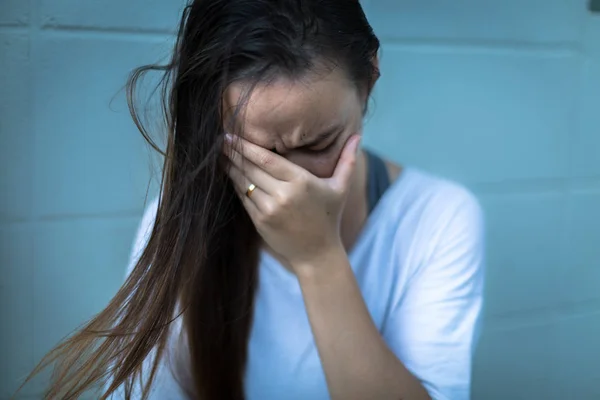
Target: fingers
[252, 173]
[271, 163]
[345, 167]
[256, 201]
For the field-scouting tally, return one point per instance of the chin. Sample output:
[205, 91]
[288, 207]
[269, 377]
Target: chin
[323, 173]
[321, 167]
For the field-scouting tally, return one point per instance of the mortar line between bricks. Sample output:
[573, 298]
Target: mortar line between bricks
[95, 32]
[556, 49]
[543, 316]
[64, 217]
[539, 185]
[440, 45]
[60, 217]
[15, 29]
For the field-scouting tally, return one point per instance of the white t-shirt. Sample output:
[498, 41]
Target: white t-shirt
[419, 262]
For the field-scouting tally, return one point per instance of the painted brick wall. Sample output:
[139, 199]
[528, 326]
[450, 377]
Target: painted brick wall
[503, 96]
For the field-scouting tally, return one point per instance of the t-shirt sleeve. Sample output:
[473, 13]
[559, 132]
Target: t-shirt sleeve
[142, 235]
[164, 386]
[434, 326]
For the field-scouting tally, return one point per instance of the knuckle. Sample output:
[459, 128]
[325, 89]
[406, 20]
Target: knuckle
[270, 211]
[264, 160]
[281, 196]
[302, 181]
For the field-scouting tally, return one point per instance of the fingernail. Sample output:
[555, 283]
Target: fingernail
[229, 137]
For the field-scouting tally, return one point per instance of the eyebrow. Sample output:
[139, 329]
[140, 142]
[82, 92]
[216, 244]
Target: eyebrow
[322, 136]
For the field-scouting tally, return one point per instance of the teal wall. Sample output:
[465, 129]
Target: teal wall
[503, 96]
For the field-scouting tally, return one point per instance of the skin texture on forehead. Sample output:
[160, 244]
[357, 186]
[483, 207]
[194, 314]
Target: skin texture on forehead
[292, 116]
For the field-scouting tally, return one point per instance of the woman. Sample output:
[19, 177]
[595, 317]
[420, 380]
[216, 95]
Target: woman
[281, 260]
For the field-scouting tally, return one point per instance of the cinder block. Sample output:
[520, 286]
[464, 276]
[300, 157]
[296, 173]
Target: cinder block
[577, 349]
[16, 306]
[586, 136]
[525, 251]
[475, 116]
[79, 266]
[542, 21]
[145, 15]
[591, 35]
[585, 147]
[16, 136]
[580, 276]
[521, 364]
[90, 158]
[14, 12]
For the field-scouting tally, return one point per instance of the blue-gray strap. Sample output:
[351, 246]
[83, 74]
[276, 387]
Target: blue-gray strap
[378, 180]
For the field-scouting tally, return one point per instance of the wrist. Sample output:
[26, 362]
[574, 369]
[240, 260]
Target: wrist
[322, 263]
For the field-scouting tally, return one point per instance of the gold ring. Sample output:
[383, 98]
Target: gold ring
[250, 189]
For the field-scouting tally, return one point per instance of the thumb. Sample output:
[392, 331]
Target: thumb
[345, 165]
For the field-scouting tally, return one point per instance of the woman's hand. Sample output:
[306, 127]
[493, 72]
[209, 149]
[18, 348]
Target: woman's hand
[296, 213]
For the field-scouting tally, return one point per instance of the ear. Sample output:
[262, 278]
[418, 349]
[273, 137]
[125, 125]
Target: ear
[375, 77]
[376, 73]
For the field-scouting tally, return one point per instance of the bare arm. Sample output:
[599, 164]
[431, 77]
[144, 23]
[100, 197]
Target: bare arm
[357, 362]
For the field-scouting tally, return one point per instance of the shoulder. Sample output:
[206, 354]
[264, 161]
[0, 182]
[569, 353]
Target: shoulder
[430, 198]
[143, 233]
[428, 213]
[149, 215]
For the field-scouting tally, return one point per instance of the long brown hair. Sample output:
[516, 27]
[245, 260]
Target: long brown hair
[201, 259]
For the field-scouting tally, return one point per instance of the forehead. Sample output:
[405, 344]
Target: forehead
[285, 106]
